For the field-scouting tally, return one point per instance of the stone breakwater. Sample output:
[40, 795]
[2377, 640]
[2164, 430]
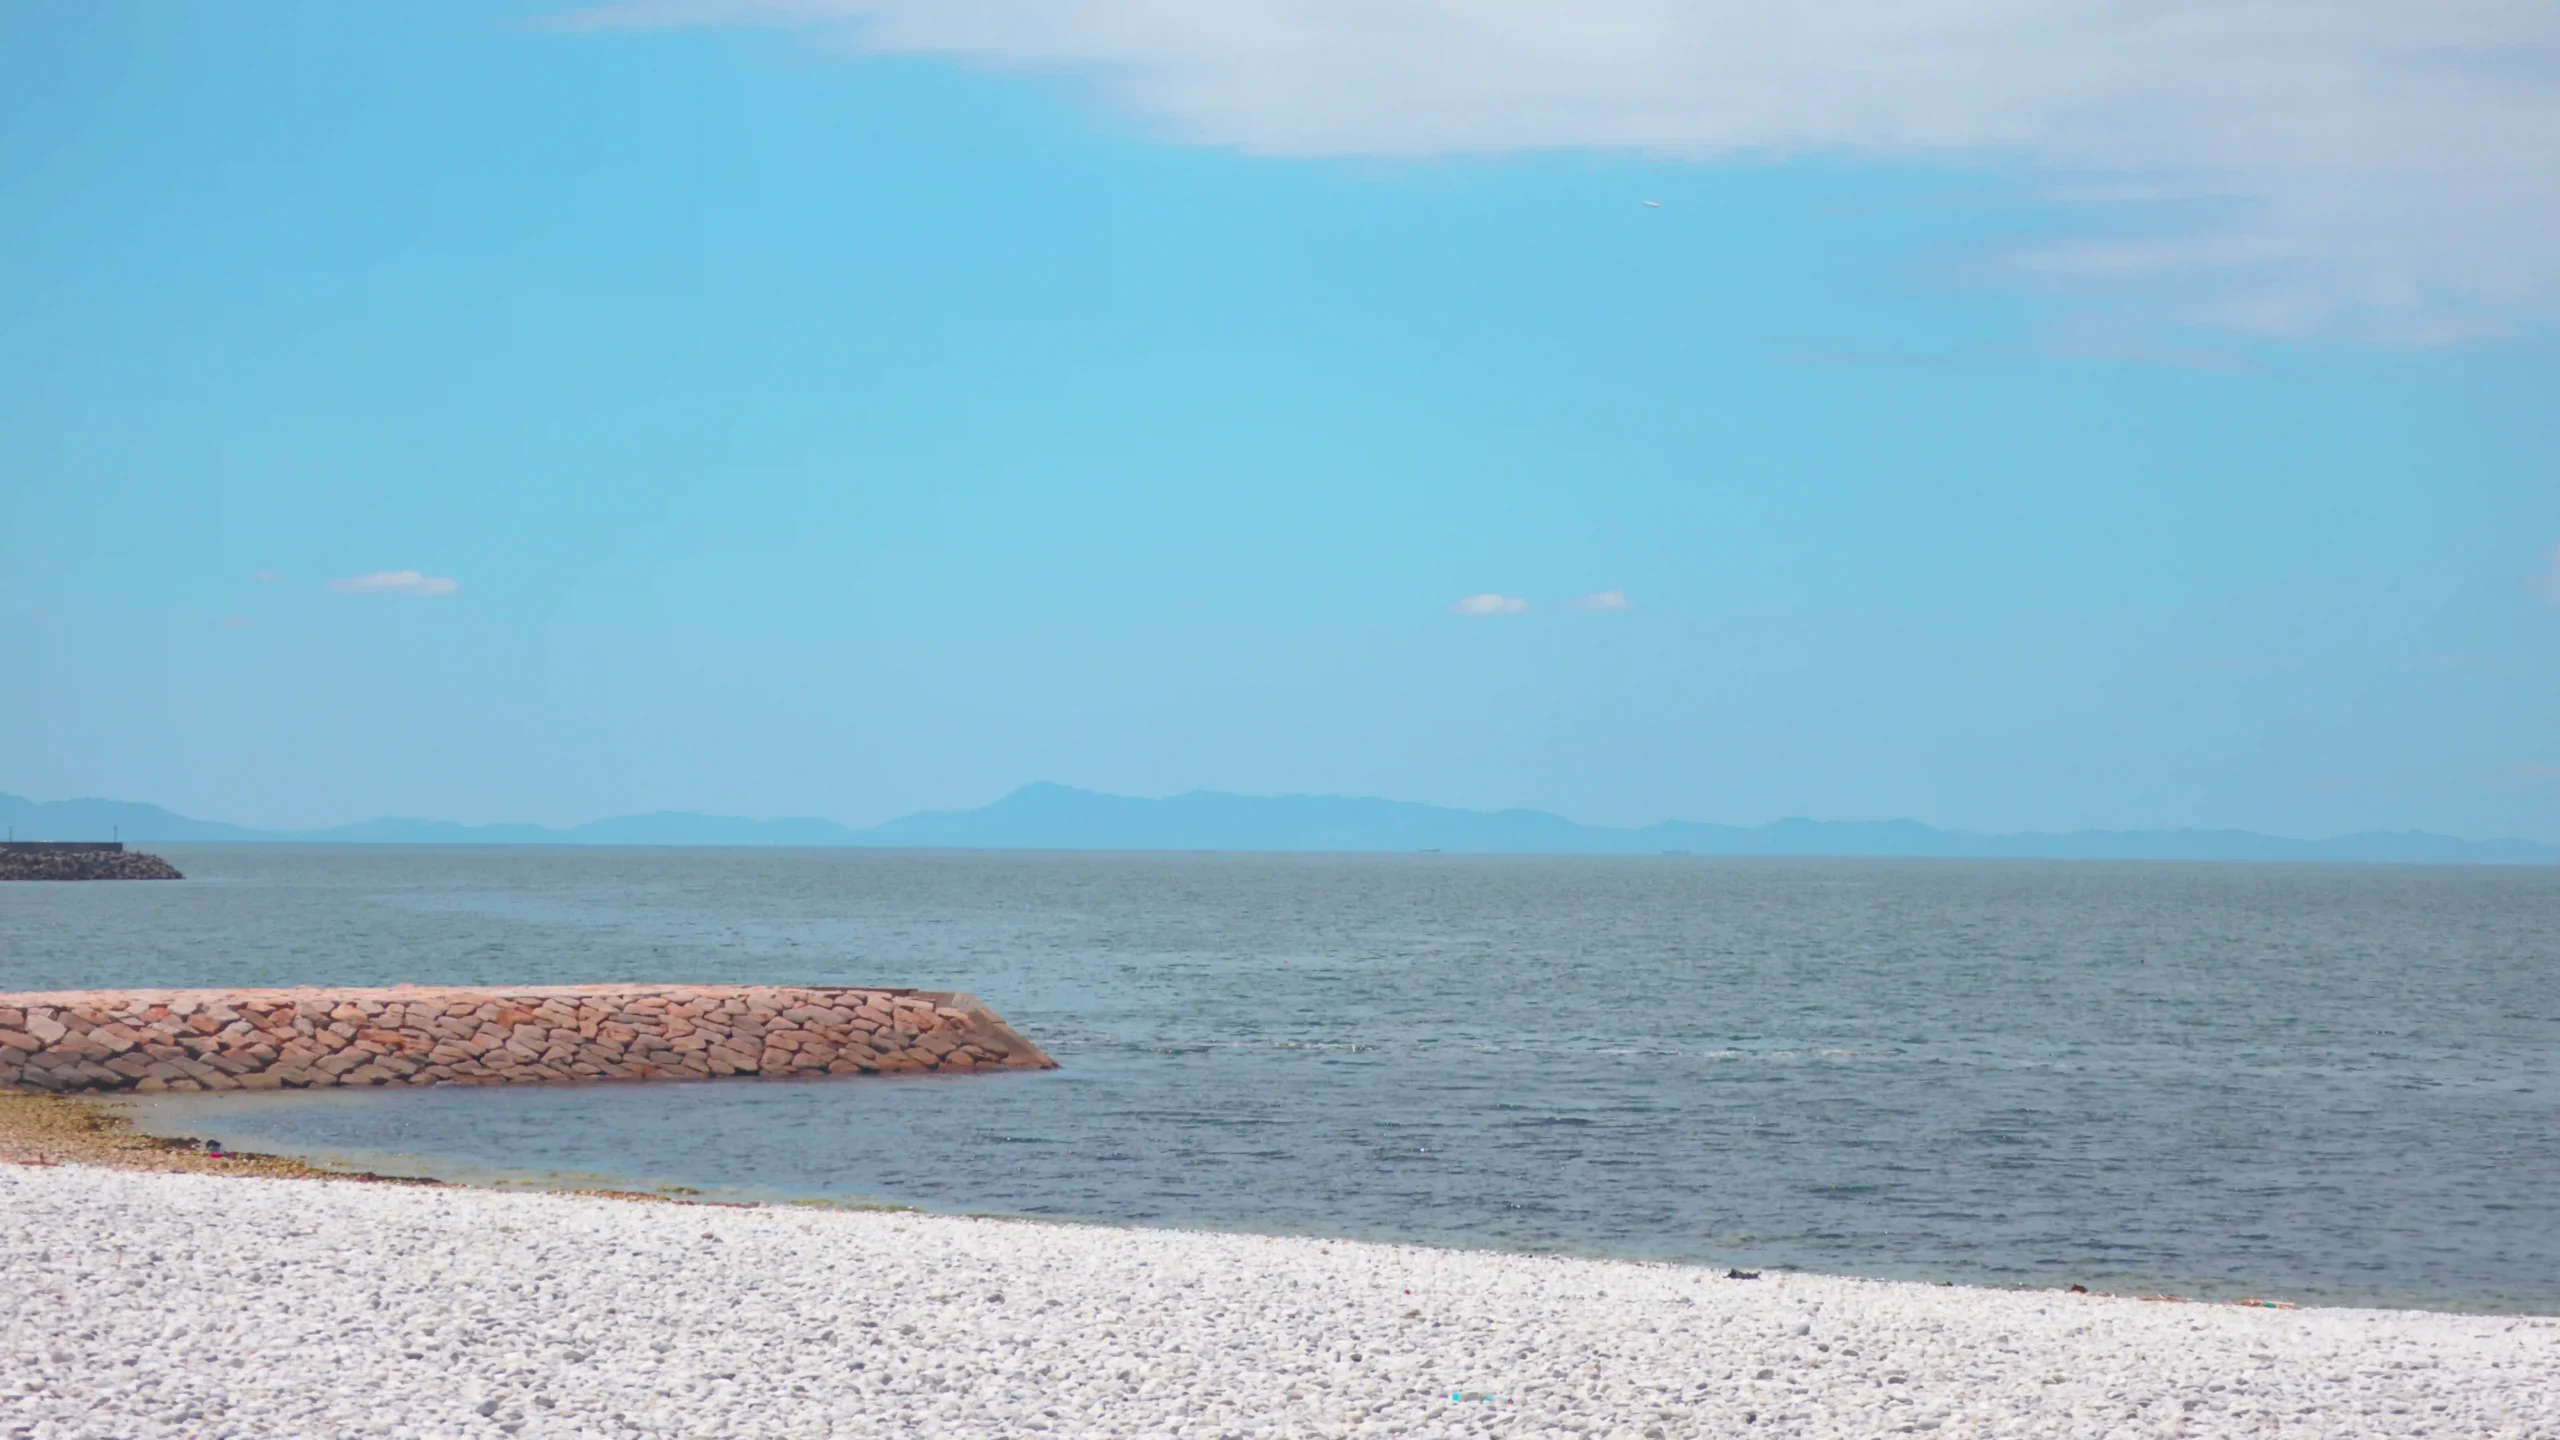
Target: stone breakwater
[34, 860]
[141, 1306]
[156, 1040]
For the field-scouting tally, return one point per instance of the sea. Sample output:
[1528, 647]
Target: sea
[2322, 1084]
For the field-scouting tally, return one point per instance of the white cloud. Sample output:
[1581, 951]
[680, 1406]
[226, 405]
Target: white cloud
[1598, 600]
[1489, 603]
[2547, 583]
[396, 582]
[267, 577]
[2368, 168]
[236, 622]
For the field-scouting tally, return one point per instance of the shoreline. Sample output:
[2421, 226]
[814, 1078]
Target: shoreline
[165, 1303]
[102, 1131]
[45, 1130]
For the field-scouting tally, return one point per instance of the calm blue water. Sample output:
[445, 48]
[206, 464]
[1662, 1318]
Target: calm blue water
[2321, 1083]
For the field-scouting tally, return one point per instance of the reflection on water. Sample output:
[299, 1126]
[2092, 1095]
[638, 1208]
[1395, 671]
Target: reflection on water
[2328, 1082]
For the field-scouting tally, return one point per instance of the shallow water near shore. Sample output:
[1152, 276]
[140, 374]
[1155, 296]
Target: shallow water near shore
[2324, 1083]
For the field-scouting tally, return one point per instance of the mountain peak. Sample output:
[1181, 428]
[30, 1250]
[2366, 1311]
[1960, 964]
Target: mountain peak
[1045, 815]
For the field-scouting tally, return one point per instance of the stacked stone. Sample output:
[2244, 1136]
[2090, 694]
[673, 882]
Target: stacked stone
[28, 862]
[153, 1041]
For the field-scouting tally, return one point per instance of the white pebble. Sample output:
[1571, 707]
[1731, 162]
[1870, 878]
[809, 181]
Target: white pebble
[193, 1305]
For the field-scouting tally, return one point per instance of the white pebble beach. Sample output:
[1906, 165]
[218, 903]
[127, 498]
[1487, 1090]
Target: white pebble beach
[139, 1304]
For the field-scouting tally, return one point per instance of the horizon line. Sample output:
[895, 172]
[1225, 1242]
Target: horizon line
[321, 834]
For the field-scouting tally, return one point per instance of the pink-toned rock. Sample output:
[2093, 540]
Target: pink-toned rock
[192, 1040]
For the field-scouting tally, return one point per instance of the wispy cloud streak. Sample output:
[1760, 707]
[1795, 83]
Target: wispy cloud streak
[2365, 168]
[396, 582]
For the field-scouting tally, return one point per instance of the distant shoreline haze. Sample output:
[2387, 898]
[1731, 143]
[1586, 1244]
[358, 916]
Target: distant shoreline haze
[1059, 817]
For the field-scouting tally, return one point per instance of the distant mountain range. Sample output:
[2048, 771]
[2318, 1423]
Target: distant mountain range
[1057, 817]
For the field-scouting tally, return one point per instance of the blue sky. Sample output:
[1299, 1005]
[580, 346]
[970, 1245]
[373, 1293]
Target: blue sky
[505, 412]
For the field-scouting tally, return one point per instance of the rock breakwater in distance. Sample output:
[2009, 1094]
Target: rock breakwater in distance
[160, 1040]
[45, 860]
